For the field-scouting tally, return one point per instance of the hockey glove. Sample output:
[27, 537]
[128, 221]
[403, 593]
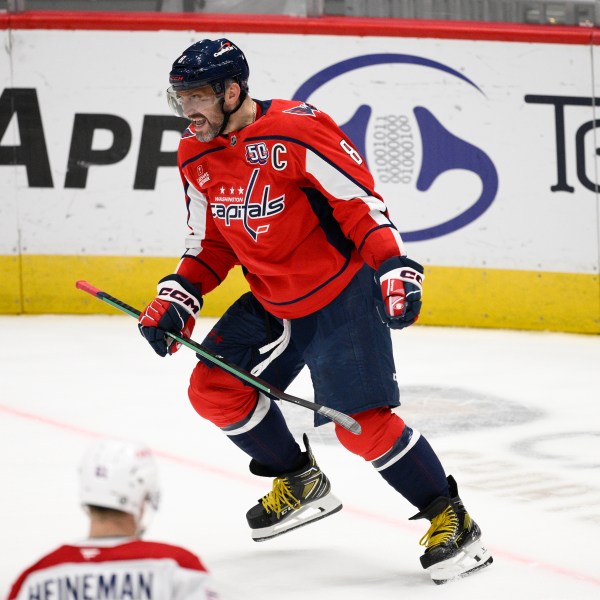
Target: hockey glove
[400, 280]
[174, 309]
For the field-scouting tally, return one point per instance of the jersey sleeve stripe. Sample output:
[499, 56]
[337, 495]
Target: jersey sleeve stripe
[197, 208]
[365, 190]
[379, 227]
[199, 156]
[201, 262]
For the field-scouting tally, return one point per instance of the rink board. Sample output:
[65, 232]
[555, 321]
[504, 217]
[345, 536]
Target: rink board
[491, 298]
[486, 157]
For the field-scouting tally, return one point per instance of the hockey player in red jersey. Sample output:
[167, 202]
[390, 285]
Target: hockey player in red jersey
[118, 488]
[276, 187]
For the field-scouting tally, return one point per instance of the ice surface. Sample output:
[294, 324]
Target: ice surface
[514, 417]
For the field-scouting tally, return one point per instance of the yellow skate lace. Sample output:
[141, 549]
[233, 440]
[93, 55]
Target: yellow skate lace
[280, 496]
[441, 530]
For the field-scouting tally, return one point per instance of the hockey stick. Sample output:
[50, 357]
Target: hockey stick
[336, 416]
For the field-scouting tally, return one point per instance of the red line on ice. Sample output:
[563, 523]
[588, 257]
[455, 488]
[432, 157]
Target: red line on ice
[196, 464]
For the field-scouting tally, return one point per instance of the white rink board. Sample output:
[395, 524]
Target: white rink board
[475, 90]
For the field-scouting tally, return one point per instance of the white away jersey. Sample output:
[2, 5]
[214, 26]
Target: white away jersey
[116, 569]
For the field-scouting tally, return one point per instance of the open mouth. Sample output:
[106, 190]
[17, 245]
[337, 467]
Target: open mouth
[199, 122]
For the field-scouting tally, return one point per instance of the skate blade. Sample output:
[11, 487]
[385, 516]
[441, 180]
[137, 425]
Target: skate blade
[472, 558]
[315, 511]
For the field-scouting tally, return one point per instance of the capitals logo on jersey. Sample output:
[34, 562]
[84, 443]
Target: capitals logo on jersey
[304, 109]
[247, 210]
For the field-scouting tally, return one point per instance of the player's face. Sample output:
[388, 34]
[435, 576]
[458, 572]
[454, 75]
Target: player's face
[203, 108]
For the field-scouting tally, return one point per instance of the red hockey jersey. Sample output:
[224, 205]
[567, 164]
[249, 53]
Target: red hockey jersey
[116, 569]
[290, 199]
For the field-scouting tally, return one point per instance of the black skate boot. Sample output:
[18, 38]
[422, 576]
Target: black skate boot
[453, 541]
[297, 498]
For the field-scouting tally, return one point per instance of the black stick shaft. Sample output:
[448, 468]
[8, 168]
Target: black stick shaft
[260, 384]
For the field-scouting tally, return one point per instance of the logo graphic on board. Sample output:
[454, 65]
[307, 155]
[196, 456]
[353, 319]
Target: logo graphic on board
[406, 145]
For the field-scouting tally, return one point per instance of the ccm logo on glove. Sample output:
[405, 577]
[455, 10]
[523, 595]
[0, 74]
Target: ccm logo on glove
[174, 310]
[400, 280]
[179, 295]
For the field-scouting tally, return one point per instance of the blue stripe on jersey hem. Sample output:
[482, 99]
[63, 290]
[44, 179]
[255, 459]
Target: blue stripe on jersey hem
[314, 291]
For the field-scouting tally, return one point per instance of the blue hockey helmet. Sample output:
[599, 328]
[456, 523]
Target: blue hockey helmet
[209, 62]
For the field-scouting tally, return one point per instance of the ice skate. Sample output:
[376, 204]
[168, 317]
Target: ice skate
[297, 498]
[453, 541]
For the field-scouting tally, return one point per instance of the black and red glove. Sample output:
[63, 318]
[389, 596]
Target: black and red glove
[174, 310]
[400, 280]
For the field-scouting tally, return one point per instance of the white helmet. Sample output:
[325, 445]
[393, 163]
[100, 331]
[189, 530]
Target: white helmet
[119, 475]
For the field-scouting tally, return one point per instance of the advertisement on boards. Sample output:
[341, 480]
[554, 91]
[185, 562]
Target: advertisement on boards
[484, 151]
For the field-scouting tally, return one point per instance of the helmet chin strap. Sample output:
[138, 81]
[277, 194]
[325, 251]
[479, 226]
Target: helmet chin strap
[226, 115]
